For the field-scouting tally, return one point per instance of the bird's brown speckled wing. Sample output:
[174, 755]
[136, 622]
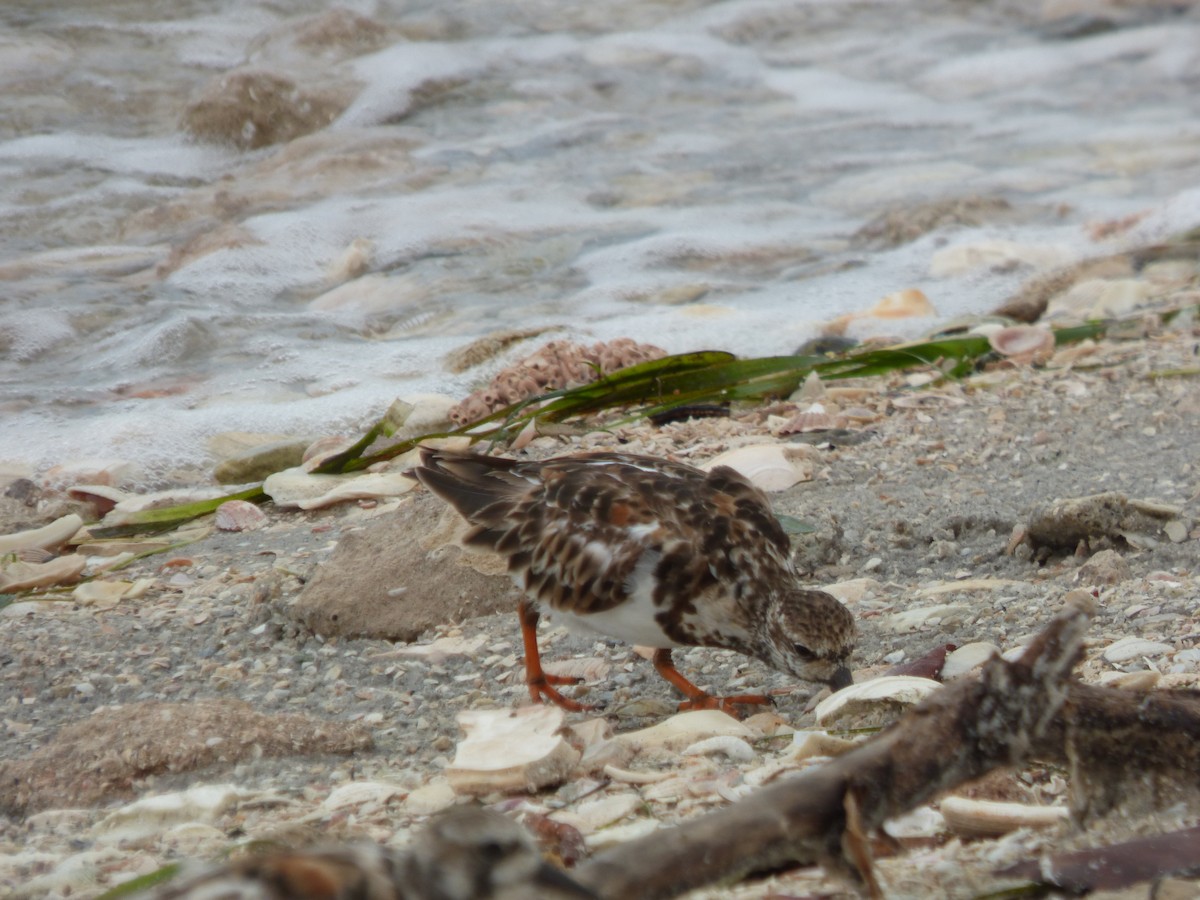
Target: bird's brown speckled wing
[574, 529]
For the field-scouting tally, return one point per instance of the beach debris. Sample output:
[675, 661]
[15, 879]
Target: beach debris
[239, 515]
[972, 818]
[559, 364]
[48, 537]
[876, 702]
[511, 750]
[769, 467]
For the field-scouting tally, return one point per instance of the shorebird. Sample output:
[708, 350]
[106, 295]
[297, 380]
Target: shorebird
[466, 853]
[648, 551]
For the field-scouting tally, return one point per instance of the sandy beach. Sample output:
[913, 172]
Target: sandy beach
[922, 515]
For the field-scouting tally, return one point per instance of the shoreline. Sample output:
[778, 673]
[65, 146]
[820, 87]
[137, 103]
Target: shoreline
[916, 525]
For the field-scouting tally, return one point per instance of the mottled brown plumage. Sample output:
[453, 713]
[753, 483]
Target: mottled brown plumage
[648, 551]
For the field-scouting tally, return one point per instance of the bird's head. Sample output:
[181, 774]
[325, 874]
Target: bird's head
[810, 634]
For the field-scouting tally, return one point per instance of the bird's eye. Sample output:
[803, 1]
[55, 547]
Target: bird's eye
[491, 850]
[803, 652]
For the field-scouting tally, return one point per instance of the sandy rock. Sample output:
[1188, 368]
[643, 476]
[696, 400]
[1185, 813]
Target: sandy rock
[381, 582]
[248, 109]
[102, 756]
[48, 537]
[1063, 524]
[258, 462]
[511, 750]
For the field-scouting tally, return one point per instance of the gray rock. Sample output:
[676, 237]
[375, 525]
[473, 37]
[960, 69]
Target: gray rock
[403, 575]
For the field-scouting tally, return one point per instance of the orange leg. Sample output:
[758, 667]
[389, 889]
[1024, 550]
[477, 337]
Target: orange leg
[696, 698]
[539, 682]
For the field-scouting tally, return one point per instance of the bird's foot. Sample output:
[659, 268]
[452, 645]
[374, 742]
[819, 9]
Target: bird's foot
[541, 689]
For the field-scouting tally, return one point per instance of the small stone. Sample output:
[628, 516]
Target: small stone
[1176, 531]
[1107, 567]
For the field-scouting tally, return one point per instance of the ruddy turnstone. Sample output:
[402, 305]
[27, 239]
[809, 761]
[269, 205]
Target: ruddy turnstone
[466, 853]
[650, 552]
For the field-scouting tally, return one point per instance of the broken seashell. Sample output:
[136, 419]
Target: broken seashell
[807, 744]
[991, 818]
[814, 418]
[590, 817]
[507, 751]
[430, 798]
[48, 537]
[967, 658]
[591, 668]
[914, 619]
[732, 748]
[101, 594]
[769, 467]
[902, 305]
[358, 793]
[239, 515]
[1023, 343]
[684, 729]
[295, 487]
[150, 815]
[629, 776]
[24, 576]
[874, 702]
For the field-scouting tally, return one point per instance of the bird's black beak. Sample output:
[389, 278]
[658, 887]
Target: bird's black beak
[840, 679]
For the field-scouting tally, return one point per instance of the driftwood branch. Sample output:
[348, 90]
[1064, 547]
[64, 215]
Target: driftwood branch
[960, 733]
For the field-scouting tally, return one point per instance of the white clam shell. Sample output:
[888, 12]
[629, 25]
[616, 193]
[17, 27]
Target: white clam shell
[21, 576]
[510, 750]
[990, 818]
[1128, 649]
[769, 467]
[47, 537]
[879, 697]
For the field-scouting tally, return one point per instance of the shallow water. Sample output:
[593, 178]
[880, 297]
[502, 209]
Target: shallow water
[686, 174]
